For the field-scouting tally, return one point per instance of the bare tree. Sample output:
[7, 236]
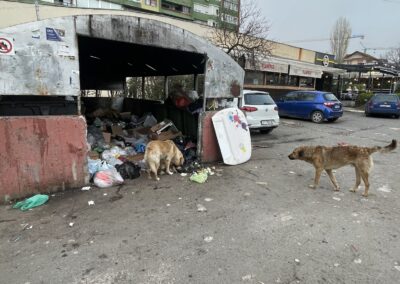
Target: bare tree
[393, 57]
[340, 35]
[249, 39]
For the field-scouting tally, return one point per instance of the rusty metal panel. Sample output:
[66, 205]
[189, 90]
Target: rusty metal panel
[209, 149]
[41, 155]
[43, 59]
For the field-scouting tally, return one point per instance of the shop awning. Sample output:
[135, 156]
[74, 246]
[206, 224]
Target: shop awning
[292, 67]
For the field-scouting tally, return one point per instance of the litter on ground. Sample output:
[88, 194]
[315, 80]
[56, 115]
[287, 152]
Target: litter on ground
[201, 208]
[34, 201]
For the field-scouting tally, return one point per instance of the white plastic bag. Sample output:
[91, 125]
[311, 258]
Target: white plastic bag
[107, 178]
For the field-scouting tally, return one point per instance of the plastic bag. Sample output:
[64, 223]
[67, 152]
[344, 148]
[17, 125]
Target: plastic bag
[130, 151]
[117, 103]
[107, 178]
[128, 170]
[93, 166]
[34, 201]
[149, 121]
[199, 177]
[140, 148]
[193, 95]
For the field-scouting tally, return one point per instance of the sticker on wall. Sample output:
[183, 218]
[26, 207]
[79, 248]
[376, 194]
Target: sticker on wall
[54, 34]
[65, 50]
[36, 34]
[6, 46]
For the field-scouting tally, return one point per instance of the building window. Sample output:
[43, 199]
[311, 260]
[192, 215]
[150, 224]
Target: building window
[254, 78]
[151, 3]
[175, 7]
[230, 6]
[306, 82]
[229, 19]
[272, 78]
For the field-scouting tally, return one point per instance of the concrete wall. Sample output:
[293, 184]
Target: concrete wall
[294, 53]
[42, 65]
[41, 154]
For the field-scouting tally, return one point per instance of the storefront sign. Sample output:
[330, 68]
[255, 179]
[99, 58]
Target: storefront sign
[324, 59]
[305, 72]
[268, 67]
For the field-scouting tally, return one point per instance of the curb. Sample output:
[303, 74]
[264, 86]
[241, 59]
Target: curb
[353, 110]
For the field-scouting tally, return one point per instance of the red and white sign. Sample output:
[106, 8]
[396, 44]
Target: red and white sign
[268, 67]
[6, 46]
[305, 72]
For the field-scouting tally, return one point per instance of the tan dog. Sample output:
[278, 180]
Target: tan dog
[329, 158]
[162, 154]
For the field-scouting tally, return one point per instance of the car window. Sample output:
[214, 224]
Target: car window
[386, 98]
[306, 97]
[291, 97]
[258, 99]
[330, 97]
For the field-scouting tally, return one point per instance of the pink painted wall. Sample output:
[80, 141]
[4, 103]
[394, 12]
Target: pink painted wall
[209, 144]
[41, 155]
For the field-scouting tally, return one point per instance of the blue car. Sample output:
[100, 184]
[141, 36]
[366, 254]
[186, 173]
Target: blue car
[383, 104]
[314, 105]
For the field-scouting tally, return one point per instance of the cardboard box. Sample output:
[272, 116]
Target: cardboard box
[125, 115]
[159, 127]
[107, 137]
[166, 135]
[117, 130]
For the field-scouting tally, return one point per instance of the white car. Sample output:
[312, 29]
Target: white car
[260, 110]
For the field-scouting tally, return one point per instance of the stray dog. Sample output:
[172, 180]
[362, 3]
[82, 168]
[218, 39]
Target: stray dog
[329, 158]
[162, 154]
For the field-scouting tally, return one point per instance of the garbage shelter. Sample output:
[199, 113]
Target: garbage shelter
[60, 75]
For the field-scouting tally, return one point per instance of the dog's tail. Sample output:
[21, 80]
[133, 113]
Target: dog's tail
[385, 149]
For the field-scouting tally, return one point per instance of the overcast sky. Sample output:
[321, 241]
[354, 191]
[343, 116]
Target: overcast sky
[300, 20]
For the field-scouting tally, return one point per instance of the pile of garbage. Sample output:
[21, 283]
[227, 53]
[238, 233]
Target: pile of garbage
[118, 142]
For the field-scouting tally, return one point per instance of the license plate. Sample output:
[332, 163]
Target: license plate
[336, 107]
[384, 105]
[266, 122]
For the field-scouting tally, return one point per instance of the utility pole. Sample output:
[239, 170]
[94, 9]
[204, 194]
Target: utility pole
[37, 10]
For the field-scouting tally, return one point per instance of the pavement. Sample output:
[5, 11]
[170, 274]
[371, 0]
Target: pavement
[261, 222]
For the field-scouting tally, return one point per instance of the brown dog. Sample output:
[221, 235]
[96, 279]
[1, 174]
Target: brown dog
[329, 158]
[162, 154]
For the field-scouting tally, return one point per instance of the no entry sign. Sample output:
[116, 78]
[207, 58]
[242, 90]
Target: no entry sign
[6, 46]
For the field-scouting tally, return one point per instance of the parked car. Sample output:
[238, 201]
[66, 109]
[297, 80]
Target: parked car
[383, 104]
[260, 109]
[315, 105]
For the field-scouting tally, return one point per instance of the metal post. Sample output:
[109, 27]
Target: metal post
[37, 10]
[143, 84]
[166, 91]
[79, 104]
[195, 82]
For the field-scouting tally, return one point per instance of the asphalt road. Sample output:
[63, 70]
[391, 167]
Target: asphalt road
[262, 225]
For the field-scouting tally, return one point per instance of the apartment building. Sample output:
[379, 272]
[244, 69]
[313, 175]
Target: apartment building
[207, 12]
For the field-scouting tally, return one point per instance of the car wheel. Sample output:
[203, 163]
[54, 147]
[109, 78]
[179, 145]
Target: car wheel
[396, 116]
[317, 116]
[333, 119]
[265, 131]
